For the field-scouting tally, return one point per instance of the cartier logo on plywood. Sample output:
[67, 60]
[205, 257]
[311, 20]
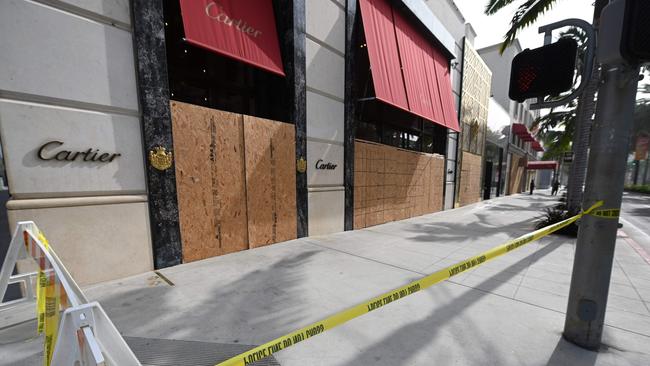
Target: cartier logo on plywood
[52, 150]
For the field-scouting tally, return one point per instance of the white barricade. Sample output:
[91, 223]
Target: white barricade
[83, 335]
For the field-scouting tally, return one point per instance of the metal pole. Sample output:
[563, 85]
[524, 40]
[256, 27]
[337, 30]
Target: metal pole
[592, 266]
[635, 175]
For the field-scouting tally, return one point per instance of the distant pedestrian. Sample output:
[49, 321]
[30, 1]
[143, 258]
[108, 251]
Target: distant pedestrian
[532, 185]
[556, 187]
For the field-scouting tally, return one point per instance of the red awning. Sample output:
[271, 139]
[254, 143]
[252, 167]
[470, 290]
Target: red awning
[537, 146]
[542, 165]
[242, 29]
[519, 129]
[407, 70]
[379, 28]
[522, 131]
[528, 137]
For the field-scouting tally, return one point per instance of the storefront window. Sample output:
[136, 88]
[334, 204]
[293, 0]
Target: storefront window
[379, 122]
[208, 79]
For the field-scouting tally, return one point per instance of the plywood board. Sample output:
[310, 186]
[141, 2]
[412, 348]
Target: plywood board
[229, 181]
[470, 179]
[284, 154]
[210, 178]
[394, 184]
[516, 174]
[270, 163]
[191, 133]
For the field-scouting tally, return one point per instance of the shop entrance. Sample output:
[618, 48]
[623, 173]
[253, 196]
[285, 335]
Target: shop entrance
[487, 180]
[236, 180]
[220, 132]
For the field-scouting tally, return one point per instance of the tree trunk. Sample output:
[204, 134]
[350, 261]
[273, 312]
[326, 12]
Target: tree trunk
[582, 133]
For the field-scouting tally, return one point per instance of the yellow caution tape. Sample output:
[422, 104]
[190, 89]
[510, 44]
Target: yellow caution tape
[613, 213]
[48, 298]
[52, 315]
[314, 329]
[41, 285]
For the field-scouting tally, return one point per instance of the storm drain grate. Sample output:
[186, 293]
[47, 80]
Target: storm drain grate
[167, 352]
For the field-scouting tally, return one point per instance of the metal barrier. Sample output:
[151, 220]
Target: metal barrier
[83, 334]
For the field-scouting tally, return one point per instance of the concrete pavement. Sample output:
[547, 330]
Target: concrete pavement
[507, 312]
[635, 214]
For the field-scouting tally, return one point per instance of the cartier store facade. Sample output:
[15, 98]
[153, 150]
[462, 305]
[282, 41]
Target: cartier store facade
[141, 135]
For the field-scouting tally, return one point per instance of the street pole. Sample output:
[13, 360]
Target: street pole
[592, 266]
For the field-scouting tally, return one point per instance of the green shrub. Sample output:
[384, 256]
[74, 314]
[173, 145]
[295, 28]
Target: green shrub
[554, 215]
[638, 188]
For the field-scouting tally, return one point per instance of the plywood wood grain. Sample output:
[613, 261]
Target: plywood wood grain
[517, 169]
[270, 181]
[236, 179]
[284, 154]
[470, 179]
[229, 181]
[191, 133]
[394, 184]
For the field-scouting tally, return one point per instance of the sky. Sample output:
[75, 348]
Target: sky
[491, 29]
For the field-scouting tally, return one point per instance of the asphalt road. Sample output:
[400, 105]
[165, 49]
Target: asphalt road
[635, 217]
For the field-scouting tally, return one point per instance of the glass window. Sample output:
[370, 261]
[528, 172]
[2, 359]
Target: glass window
[368, 131]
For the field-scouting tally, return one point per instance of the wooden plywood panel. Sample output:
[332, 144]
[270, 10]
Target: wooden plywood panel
[270, 162]
[470, 179]
[394, 184]
[229, 181]
[516, 174]
[209, 156]
[191, 133]
[284, 154]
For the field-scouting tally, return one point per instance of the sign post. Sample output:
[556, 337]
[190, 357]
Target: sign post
[594, 255]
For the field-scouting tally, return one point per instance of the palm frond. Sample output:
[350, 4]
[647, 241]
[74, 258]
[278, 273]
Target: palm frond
[526, 14]
[495, 5]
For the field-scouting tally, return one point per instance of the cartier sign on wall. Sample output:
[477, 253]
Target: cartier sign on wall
[53, 150]
[324, 164]
[62, 152]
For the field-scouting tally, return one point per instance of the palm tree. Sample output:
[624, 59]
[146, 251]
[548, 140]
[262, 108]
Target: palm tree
[527, 13]
[556, 130]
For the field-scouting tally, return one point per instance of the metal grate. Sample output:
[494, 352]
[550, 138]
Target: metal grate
[167, 352]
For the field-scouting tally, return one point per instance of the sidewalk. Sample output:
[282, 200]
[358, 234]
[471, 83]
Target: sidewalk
[509, 311]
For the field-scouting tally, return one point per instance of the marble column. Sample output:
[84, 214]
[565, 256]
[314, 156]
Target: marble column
[349, 124]
[151, 59]
[291, 26]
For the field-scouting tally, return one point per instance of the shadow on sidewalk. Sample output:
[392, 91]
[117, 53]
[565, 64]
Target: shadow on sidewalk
[486, 223]
[197, 312]
[566, 353]
[417, 335]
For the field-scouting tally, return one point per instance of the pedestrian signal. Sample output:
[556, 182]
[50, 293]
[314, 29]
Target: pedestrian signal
[635, 44]
[548, 70]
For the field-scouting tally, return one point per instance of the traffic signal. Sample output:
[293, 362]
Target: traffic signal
[624, 34]
[635, 45]
[548, 70]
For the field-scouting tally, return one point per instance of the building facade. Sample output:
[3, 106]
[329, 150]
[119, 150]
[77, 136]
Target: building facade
[475, 102]
[521, 146]
[136, 140]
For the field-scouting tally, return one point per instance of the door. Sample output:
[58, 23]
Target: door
[487, 180]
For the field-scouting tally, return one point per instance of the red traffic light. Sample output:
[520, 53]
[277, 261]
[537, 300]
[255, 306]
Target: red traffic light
[547, 70]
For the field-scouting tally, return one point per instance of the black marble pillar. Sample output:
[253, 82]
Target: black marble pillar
[151, 59]
[291, 19]
[349, 123]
